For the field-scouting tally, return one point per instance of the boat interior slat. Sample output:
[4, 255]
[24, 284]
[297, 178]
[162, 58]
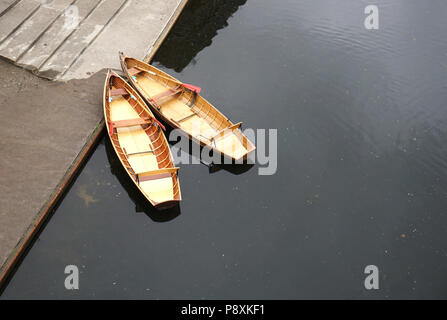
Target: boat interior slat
[186, 117]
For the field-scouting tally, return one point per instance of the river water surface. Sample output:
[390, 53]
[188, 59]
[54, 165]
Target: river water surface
[361, 175]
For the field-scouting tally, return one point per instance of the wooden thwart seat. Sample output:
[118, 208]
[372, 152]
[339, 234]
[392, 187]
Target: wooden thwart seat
[118, 92]
[157, 99]
[224, 131]
[128, 123]
[186, 117]
[133, 71]
[150, 150]
[155, 174]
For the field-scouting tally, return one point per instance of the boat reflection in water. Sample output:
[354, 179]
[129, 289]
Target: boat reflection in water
[232, 168]
[194, 30]
[141, 203]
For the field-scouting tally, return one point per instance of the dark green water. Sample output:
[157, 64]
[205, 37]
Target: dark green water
[362, 166]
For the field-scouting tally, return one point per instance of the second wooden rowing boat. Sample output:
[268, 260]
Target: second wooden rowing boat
[182, 107]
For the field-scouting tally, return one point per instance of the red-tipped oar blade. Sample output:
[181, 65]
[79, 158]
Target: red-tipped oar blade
[162, 126]
[192, 87]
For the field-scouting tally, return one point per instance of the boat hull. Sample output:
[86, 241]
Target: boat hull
[227, 124]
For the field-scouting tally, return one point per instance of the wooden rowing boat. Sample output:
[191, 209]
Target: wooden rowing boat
[140, 144]
[182, 107]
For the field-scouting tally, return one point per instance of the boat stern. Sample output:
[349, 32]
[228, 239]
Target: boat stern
[166, 204]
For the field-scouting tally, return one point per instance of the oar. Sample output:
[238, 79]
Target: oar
[188, 86]
[158, 122]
